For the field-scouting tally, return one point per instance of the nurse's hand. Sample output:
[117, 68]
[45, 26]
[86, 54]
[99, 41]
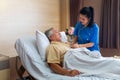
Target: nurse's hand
[76, 45]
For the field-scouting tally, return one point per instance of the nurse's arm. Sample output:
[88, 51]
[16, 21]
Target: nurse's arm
[76, 45]
[91, 44]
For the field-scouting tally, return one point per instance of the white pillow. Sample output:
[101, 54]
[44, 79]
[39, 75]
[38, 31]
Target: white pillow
[42, 44]
[63, 36]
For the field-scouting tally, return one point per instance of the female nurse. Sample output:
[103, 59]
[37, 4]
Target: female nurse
[86, 31]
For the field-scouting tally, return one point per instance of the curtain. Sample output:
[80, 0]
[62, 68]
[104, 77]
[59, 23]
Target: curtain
[110, 24]
[75, 6]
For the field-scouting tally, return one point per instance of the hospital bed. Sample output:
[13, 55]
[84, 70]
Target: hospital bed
[37, 69]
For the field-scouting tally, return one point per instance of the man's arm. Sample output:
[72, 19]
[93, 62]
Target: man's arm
[58, 69]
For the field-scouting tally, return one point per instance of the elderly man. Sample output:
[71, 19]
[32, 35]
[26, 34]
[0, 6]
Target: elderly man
[55, 53]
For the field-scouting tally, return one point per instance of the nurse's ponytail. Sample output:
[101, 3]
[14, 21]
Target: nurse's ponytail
[91, 16]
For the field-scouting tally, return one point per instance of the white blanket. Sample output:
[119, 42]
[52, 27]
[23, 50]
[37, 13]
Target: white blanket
[91, 66]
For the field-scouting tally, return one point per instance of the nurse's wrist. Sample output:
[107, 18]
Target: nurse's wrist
[80, 45]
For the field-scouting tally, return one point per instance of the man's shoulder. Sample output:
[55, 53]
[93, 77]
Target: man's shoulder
[51, 45]
[49, 48]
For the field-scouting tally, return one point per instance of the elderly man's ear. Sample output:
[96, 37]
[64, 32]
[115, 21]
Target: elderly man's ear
[51, 37]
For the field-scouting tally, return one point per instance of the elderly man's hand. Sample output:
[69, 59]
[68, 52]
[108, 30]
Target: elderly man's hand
[73, 73]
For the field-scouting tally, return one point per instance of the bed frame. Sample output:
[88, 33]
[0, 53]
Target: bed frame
[21, 71]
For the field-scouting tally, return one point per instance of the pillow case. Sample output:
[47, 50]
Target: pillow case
[42, 44]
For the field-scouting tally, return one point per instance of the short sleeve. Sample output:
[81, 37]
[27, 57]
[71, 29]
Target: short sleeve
[53, 55]
[77, 26]
[95, 36]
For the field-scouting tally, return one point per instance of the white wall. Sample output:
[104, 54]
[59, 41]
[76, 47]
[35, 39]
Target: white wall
[22, 17]
[64, 14]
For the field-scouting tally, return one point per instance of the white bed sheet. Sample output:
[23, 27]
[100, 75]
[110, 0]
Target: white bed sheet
[30, 58]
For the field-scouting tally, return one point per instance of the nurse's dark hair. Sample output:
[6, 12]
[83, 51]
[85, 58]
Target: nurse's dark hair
[89, 13]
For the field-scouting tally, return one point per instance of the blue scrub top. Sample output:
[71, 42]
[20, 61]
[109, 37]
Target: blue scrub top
[87, 35]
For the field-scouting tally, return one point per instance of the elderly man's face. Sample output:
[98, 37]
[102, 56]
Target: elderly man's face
[56, 35]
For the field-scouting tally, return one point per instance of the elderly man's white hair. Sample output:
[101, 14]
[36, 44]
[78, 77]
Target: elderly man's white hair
[49, 32]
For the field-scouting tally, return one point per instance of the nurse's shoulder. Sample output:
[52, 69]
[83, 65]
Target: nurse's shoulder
[95, 26]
